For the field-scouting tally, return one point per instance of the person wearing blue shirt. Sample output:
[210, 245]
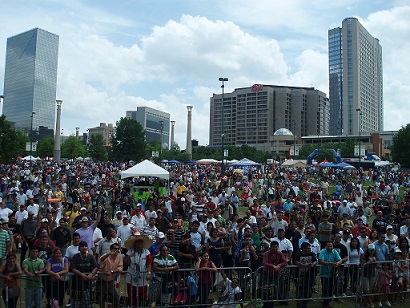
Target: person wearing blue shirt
[287, 205]
[330, 259]
[382, 250]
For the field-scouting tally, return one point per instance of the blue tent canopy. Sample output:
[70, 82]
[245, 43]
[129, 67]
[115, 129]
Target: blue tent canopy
[174, 161]
[341, 165]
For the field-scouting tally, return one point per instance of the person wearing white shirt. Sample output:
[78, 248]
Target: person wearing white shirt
[73, 249]
[285, 245]
[33, 207]
[124, 231]
[403, 229]
[21, 215]
[279, 223]
[97, 237]
[168, 205]
[21, 197]
[29, 192]
[252, 219]
[5, 212]
[138, 220]
[150, 212]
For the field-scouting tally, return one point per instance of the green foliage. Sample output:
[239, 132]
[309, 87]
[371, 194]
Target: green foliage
[175, 153]
[45, 147]
[73, 148]
[152, 146]
[401, 146]
[128, 141]
[96, 149]
[12, 142]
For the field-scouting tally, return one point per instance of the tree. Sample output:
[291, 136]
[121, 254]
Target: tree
[45, 147]
[128, 142]
[97, 149]
[12, 142]
[72, 148]
[401, 146]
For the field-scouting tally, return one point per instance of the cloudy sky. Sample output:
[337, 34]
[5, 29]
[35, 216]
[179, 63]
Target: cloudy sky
[117, 55]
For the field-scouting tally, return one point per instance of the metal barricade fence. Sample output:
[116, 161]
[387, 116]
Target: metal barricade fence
[356, 285]
[385, 282]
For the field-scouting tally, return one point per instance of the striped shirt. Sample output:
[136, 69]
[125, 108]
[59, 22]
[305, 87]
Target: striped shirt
[4, 239]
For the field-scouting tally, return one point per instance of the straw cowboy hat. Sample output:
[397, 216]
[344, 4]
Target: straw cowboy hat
[129, 242]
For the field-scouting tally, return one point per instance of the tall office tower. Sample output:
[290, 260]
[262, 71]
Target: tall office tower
[253, 114]
[155, 122]
[30, 79]
[355, 80]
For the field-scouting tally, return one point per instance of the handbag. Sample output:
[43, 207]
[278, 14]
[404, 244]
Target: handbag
[14, 291]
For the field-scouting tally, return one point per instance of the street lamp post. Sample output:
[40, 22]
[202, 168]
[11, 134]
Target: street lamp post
[360, 136]
[31, 135]
[160, 144]
[1, 101]
[223, 79]
[57, 137]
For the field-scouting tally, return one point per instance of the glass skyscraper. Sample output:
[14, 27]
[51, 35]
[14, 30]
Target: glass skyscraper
[30, 79]
[355, 80]
[335, 80]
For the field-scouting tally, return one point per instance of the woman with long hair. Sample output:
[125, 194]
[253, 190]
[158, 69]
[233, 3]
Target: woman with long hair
[9, 272]
[214, 245]
[57, 266]
[372, 237]
[354, 254]
[369, 266]
[205, 269]
[221, 230]
[207, 231]
[403, 245]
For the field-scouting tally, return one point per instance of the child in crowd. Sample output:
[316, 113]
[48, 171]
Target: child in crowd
[181, 290]
[193, 288]
[399, 269]
[384, 283]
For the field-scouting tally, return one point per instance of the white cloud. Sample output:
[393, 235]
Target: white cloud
[112, 60]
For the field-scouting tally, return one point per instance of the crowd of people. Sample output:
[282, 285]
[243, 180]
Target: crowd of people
[211, 225]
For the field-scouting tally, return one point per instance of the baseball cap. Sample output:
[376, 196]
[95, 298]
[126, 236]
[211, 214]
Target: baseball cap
[182, 199]
[160, 235]
[84, 219]
[83, 209]
[344, 201]
[397, 250]
[389, 227]
[83, 244]
[44, 220]
[118, 212]
[371, 247]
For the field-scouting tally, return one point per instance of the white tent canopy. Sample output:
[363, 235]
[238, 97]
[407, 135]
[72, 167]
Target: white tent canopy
[30, 157]
[145, 168]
